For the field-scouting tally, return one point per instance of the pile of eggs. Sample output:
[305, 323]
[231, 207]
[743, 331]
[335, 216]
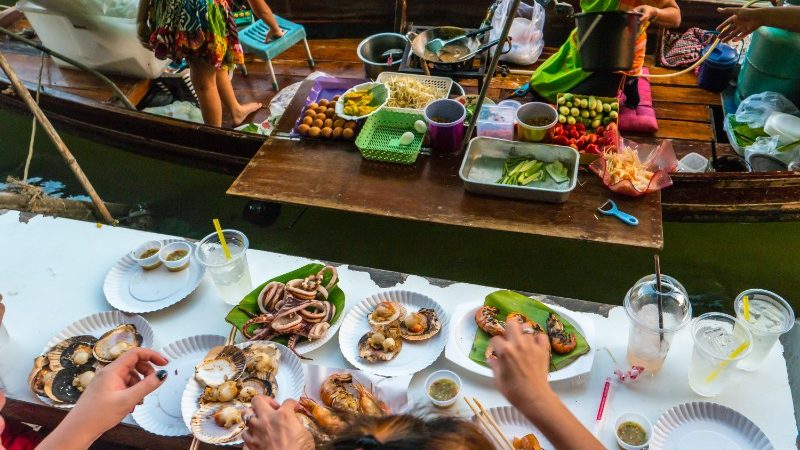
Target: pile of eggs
[320, 121]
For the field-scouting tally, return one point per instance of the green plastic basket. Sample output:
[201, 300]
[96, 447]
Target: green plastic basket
[383, 127]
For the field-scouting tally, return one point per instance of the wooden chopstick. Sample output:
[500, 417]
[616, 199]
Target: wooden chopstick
[231, 338]
[489, 430]
[493, 422]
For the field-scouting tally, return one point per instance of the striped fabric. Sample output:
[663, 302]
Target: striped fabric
[681, 49]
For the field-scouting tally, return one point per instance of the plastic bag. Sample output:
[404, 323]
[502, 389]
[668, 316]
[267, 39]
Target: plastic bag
[178, 110]
[660, 160]
[755, 110]
[282, 99]
[771, 145]
[526, 36]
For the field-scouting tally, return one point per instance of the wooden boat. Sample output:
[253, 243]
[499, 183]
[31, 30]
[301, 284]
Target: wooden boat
[77, 101]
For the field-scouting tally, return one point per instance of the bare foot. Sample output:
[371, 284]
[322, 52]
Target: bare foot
[244, 111]
[272, 35]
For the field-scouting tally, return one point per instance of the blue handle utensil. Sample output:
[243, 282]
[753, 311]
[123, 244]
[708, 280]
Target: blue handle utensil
[609, 208]
[523, 90]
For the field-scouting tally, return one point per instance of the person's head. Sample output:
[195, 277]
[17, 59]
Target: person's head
[407, 432]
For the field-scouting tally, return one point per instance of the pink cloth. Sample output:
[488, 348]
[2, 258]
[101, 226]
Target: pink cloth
[643, 118]
[17, 436]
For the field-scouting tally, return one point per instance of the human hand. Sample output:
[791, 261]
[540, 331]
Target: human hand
[649, 13]
[742, 21]
[521, 368]
[271, 426]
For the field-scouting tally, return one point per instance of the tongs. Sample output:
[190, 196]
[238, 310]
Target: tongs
[435, 45]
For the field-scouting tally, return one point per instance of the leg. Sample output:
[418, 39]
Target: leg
[308, 53]
[272, 72]
[238, 111]
[263, 12]
[632, 92]
[204, 79]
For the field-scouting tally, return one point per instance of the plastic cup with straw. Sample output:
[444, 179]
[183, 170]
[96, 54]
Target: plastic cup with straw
[720, 341]
[224, 254]
[767, 316]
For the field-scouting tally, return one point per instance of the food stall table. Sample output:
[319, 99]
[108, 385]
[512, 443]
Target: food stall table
[60, 279]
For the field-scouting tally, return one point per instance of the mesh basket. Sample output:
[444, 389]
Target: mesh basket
[441, 84]
[378, 138]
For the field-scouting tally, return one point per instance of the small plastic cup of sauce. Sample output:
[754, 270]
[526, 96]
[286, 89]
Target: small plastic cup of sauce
[176, 256]
[146, 255]
[442, 388]
[633, 431]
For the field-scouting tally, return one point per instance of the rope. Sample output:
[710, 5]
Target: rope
[699, 61]
[33, 125]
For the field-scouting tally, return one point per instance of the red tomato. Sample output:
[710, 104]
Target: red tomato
[591, 138]
[560, 140]
[574, 146]
[558, 129]
[574, 134]
[600, 130]
[581, 128]
[593, 148]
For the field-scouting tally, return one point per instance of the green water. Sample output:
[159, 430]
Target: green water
[713, 261]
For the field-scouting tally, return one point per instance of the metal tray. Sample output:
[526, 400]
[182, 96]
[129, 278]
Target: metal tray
[327, 88]
[483, 166]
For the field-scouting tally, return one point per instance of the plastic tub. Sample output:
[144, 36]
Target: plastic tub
[440, 375]
[528, 111]
[106, 44]
[496, 122]
[638, 419]
[716, 71]
[446, 134]
[693, 163]
[785, 126]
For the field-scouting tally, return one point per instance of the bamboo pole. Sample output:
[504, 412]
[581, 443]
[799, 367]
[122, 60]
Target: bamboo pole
[23, 93]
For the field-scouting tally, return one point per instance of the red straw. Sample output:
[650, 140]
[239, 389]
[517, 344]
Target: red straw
[603, 399]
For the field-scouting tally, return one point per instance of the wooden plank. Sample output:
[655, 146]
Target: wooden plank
[679, 129]
[334, 176]
[682, 111]
[689, 95]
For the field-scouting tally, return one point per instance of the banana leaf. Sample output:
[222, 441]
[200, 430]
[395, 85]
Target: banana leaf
[248, 307]
[536, 311]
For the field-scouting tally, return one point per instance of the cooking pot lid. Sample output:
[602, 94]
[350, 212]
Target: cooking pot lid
[724, 54]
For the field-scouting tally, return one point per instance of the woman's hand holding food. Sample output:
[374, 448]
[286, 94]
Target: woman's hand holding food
[271, 426]
[112, 394]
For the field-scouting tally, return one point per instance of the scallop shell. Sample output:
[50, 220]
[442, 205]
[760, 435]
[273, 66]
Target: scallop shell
[261, 387]
[36, 376]
[371, 354]
[60, 356]
[256, 350]
[434, 326]
[229, 364]
[60, 388]
[104, 347]
[206, 429]
[399, 314]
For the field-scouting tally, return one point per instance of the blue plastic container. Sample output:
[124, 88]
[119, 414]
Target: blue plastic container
[717, 70]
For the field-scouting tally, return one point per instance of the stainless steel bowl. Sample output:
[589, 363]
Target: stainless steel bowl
[374, 53]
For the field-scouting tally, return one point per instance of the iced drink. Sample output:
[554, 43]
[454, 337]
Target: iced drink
[770, 316]
[720, 342]
[649, 338]
[230, 276]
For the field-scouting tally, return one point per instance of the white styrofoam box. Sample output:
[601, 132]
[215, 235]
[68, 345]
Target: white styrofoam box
[106, 44]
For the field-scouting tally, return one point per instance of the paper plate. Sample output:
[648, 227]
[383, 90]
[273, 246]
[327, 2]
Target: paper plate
[290, 379]
[161, 411]
[414, 356]
[391, 390]
[95, 325]
[132, 289]
[706, 425]
[513, 424]
[462, 335]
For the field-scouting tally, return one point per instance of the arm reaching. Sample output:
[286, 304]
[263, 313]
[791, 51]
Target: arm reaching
[667, 14]
[743, 21]
[520, 374]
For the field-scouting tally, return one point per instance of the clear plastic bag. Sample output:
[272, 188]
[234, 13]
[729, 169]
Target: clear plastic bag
[526, 35]
[771, 145]
[755, 110]
[659, 159]
[178, 110]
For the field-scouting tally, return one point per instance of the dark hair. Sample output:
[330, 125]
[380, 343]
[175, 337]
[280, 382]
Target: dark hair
[407, 432]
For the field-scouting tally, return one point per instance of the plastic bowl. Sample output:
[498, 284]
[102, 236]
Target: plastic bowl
[438, 375]
[178, 264]
[149, 262]
[785, 126]
[535, 110]
[637, 418]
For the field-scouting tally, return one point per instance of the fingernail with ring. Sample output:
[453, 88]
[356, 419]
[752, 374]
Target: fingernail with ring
[161, 374]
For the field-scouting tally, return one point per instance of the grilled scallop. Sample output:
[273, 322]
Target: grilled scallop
[382, 344]
[218, 423]
[227, 365]
[386, 313]
[77, 351]
[421, 325]
[116, 342]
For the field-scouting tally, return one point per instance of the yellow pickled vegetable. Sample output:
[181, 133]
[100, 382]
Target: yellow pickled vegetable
[357, 103]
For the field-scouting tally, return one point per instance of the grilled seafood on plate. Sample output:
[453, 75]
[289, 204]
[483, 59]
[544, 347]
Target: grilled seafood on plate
[323, 416]
[382, 344]
[527, 442]
[299, 308]
[218, 423]
[386, 313]
[486, 319]
[528, 326]
[334, 393]
[63, 372]
[421, 325]
[561, 341]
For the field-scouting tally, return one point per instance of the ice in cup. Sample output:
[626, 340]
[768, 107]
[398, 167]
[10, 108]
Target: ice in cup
[649, 340]
[720, 342]
[230, 276]
[769, 317]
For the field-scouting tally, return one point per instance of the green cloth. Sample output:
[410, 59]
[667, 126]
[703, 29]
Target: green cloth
[562, 71]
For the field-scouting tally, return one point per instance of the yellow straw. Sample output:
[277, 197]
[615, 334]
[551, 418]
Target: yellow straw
[713, 375]
[222, 240]
[746, 307]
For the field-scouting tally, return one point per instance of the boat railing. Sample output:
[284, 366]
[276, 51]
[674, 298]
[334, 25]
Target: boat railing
[117, 91]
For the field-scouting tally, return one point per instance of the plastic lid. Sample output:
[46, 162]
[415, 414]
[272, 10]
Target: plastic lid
[783, 124]
[722, 55]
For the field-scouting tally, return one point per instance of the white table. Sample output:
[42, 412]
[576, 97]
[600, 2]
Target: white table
[52, 274]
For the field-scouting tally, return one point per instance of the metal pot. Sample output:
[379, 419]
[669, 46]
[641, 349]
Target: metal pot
[456, 54]
[607, 39]
[376, 50]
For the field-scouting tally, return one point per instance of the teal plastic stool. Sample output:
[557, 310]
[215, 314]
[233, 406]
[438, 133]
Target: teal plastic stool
[252, 40]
